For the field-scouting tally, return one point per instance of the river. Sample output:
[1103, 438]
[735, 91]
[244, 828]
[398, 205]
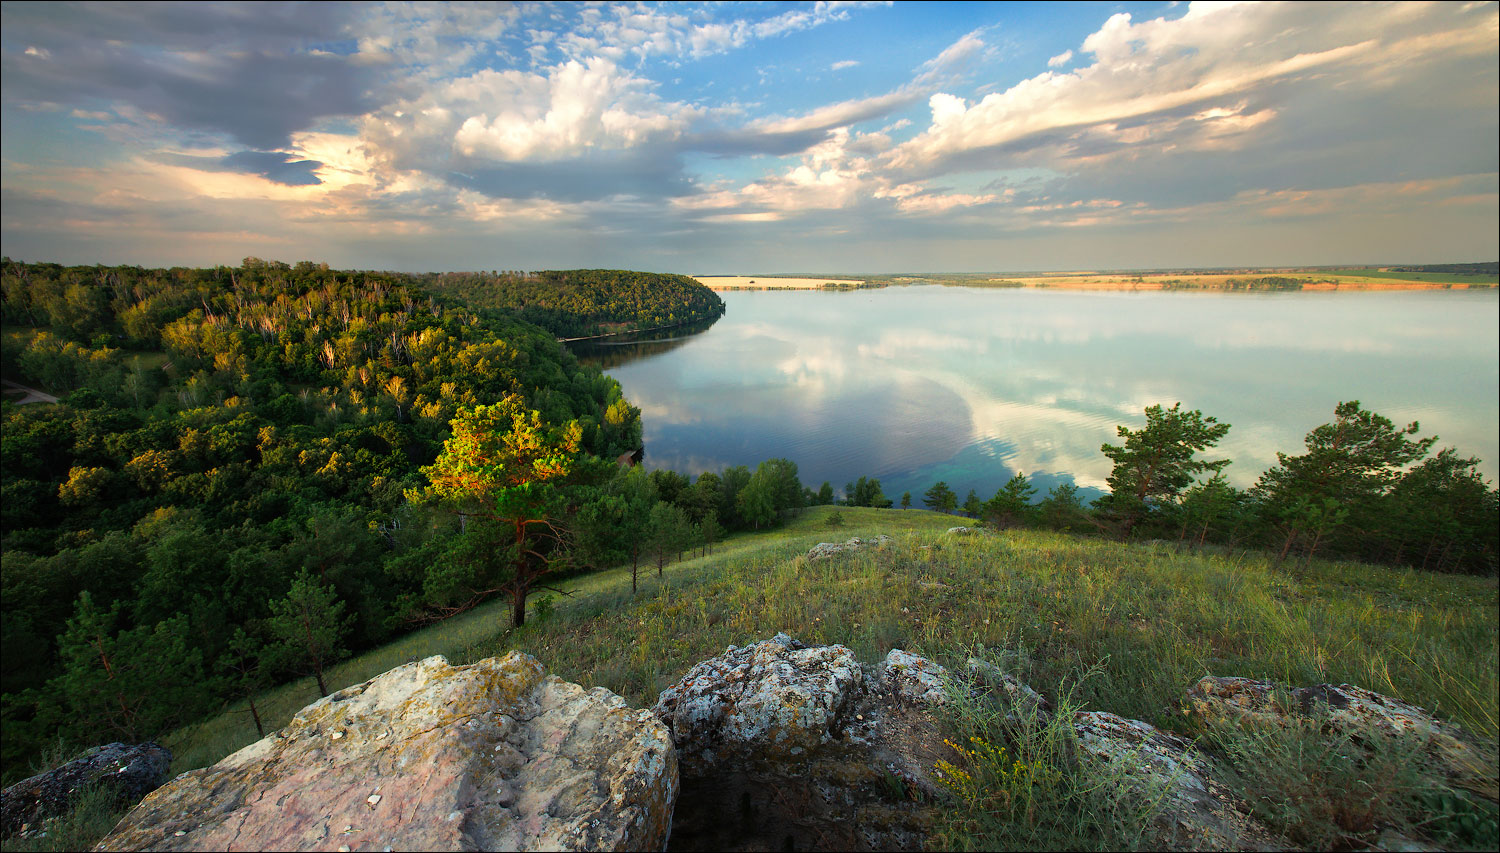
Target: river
[969, 385]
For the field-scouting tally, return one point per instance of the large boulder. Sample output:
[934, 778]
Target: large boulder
[786, 746]
[771, 699]
[129, 771]
[1451, 751]
[496, 755]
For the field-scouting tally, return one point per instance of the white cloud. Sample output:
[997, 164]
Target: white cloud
[844, 63]
[645, 31]
[1208, 58]
[1061, 59]
[514, 116]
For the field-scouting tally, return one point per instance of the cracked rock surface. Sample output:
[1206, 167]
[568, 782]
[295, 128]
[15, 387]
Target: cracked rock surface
[496, 755]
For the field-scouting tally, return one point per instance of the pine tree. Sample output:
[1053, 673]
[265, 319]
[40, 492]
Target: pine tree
[1011, 504]
[309, 625]
[1348, 465]
[1157, 462]
[940, 498]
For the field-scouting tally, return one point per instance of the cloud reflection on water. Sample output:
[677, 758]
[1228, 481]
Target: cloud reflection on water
[917, 384]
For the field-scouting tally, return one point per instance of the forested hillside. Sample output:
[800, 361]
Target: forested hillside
[220, 497]
[583, 303]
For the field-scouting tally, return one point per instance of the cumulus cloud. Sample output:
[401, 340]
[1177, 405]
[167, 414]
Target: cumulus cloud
[1061, 59]
[1209, 59]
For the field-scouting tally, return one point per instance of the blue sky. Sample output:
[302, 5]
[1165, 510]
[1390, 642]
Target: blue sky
[750, 137]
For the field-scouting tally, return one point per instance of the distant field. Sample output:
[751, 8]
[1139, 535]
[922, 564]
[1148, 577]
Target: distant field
[1435, 277]
[1243, 280]
[738, 282]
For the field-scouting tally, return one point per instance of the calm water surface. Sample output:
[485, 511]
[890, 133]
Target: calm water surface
[918, 384]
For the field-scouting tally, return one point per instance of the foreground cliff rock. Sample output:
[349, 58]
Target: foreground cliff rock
[492, 756]
[129, 771]
[786, 746]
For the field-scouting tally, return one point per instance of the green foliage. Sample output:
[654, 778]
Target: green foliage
[581, 303]
[505, 468]
[1011, 505]
[825, 495]
[865, 491]
[133, 683]
[1458, 820]
[940, 498]
[834, 519]
[309, 627]
[1156, 463]
[1348, 466]
[668, 532]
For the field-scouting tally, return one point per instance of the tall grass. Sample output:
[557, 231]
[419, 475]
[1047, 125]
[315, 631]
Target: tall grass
[1150, 619]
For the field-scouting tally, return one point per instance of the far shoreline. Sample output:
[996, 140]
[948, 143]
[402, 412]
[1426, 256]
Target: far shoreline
[1257, 281]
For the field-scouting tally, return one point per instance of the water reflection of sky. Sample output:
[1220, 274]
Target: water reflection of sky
[917, 384]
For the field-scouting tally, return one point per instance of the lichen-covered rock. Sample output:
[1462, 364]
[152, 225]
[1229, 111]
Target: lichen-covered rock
[773, 695]
[1196, 814]
[912, 678]
[965, 531]
[130, 771]
[824, 550]
[496, 755]
[784, 746]
[1452, 751]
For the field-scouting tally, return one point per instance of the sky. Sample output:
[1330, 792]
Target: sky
[724, 138]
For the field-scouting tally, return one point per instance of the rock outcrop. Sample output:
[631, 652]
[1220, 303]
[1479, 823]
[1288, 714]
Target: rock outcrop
[785, 746]
[790, 746]
[496, 755]
[130, 771]
[1194, 811]
[823, 550]
[1451, 751]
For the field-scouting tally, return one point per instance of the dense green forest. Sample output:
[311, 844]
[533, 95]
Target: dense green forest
[224, 435]
[583, 303]
[255, 471]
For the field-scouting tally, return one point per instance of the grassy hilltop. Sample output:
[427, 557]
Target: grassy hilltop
[1119, 627]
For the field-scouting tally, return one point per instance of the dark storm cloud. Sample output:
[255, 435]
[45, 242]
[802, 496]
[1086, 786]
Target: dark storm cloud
[275, 166]
[257, 72]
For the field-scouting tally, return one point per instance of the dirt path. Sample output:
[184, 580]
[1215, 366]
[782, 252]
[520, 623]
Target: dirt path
[32, 395]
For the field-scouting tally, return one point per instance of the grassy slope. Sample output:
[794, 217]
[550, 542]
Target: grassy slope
[1157, 620]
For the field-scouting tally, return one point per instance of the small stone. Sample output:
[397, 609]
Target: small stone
[343, 848]
[336, 735]
[373, 799]
[179, 833]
